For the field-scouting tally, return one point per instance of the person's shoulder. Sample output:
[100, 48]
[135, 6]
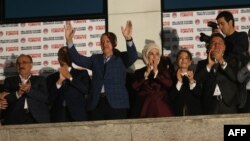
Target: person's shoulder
[241, 33]
[12, 77]
[80, 71]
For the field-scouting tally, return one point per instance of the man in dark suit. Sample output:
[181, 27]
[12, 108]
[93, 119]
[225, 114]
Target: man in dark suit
[67, 91]
[108, 97]
[27, 98]
[218, 80]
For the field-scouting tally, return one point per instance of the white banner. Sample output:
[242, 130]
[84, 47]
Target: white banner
[42, 41]
[181, 30]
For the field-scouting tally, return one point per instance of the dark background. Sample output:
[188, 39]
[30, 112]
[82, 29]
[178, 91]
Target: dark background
[180, 5]
[45, 10]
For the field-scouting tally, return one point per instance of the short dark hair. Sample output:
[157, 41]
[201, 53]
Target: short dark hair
[216, 35]
[227, 16]
[28, 56]
[112, 37]
[63, 55]
[186, 51]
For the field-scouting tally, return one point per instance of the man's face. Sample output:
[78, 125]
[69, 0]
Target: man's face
[217, 44]
[24, 65]
[225, 26]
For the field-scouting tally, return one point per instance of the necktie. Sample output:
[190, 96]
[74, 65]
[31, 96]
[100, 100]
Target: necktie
[105, 65]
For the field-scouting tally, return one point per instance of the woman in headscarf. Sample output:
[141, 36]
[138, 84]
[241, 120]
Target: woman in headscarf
[152, 84]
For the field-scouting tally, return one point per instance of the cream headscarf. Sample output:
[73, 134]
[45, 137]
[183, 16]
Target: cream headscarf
[147, 49]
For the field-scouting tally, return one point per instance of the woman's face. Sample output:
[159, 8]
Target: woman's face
[184, 61]
[106, 45]
[154, 56]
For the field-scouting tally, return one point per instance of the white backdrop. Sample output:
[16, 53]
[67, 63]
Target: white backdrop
[181, 30]
[42, 40]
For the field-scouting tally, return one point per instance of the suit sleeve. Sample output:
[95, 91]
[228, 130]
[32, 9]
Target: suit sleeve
[80, 60]
[52, 89]
[39, 91]
[130, 56]
[11, 98]
[81, 83]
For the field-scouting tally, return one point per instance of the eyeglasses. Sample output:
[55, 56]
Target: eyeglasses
[24, 63]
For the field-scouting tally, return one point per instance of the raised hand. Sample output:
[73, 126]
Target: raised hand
[127, 31]
[69, 32]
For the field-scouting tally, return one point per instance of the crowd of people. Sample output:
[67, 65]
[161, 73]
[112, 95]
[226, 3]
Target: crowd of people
[220, 84]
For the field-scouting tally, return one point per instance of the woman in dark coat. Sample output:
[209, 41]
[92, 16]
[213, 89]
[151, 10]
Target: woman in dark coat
[152, 84]
[184, 95]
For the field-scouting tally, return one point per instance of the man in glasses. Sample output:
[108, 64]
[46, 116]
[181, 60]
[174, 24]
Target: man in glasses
[26, 95]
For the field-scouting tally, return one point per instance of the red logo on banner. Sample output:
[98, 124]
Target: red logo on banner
[90, 44]
[9, 33]
[187, 46]
[45, 63]
[1, 49]
[1, 33]
[45, 30]
[79, 21]
[10, 49]
[90, 28]
[186, 14]
[84, 36]
[56, 46]
[22, 24]
[166, 23]
[54, 62]
[243, 19]
[55, 30]
[45, 47]
[36, 55]
[174, 15]
[100, 27]
[34, 24]
[34, 39]
[23, 40]
[197, 21]
[187, 30]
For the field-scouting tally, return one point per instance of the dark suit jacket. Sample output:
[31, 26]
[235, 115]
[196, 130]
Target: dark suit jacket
[114, 78]
[72, 92]
[227, 82]
[37, 100]
[185, 100]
